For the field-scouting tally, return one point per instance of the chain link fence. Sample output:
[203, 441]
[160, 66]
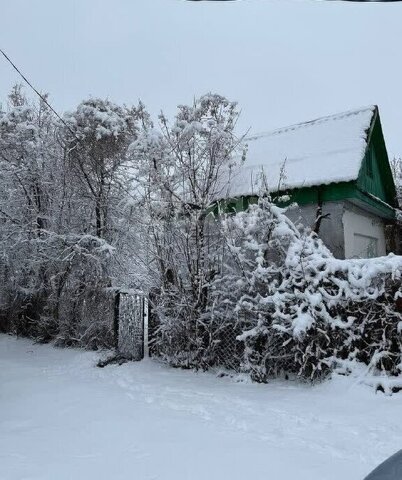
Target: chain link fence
[89, 316]
[228, 351]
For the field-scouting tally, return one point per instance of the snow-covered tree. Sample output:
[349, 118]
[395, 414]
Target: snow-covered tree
[98, 134]
[396, 167]
[28, 164]
[63, 189]
[182, 169]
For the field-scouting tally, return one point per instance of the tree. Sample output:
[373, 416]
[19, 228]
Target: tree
[182, 170]
[62, 190]
[396, 167]
[29, 155]
[98, 134]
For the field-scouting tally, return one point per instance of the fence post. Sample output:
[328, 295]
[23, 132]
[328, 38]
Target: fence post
[116, 318]
[145, 307]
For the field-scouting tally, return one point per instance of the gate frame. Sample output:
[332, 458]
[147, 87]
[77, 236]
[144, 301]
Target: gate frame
[144, 320]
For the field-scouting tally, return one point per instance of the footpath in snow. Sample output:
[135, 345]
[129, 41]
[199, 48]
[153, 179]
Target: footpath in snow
[61, 418]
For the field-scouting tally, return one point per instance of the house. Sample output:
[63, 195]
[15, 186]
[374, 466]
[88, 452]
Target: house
[336, 167]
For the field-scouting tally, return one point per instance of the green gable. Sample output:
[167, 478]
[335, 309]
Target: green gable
[375, 176]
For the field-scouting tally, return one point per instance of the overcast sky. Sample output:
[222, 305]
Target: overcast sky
[284, 61]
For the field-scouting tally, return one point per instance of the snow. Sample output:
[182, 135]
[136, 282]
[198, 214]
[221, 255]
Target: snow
[62, 418]
[323, 151]
[301, 324]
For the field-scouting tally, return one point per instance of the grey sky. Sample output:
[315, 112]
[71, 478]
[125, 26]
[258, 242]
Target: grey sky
[283, 61]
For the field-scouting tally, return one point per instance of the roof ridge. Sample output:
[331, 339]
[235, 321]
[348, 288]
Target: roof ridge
[319, 120]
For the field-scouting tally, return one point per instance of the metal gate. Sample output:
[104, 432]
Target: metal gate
[129, 326]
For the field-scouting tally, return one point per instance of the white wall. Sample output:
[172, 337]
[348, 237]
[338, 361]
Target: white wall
[331, 229]
[364, 234]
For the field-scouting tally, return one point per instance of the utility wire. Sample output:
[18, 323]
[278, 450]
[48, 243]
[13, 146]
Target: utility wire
[36, 91]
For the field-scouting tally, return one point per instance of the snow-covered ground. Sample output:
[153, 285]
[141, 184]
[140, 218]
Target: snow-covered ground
[62, 418]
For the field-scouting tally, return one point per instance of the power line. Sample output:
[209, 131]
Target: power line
[35, 90]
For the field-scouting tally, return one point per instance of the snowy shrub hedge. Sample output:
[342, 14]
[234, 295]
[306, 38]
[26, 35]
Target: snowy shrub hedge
[63, 296]
[301, 311]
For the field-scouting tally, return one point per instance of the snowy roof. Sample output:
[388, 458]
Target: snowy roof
[322, 151]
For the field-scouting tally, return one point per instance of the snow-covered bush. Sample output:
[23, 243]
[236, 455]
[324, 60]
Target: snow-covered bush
[64, 295]
[301, 311]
